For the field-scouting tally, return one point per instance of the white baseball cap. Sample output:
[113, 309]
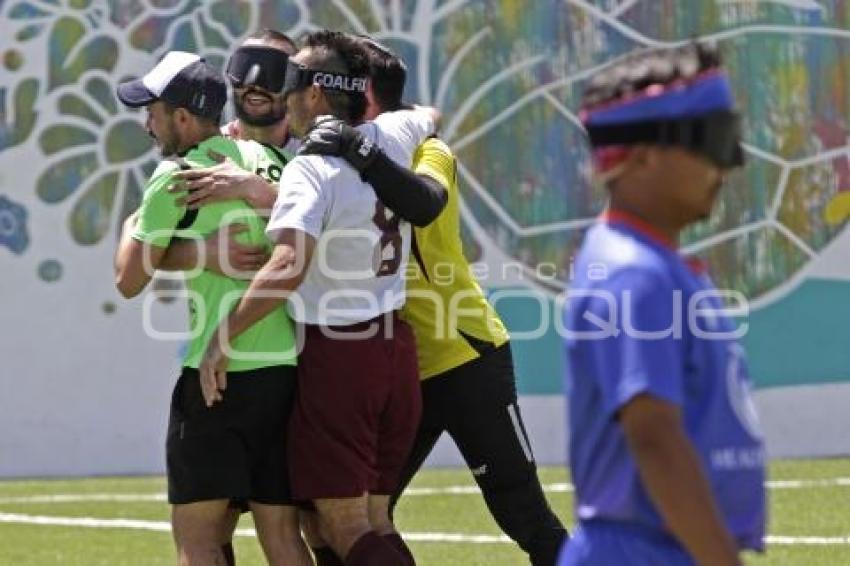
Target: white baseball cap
[182, 79]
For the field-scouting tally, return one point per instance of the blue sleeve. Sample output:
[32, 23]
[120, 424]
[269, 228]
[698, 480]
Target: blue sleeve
[643, 350]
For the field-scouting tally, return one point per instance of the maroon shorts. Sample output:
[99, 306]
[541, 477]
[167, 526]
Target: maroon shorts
[357, 410]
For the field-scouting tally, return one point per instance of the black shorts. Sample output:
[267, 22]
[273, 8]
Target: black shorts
[235, 449]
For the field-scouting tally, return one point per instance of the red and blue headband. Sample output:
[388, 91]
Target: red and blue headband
[697, 115]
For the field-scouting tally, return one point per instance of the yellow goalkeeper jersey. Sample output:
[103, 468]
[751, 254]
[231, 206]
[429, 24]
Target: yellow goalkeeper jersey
[451, 318]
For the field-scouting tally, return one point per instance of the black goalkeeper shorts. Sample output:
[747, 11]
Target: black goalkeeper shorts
[235, 449]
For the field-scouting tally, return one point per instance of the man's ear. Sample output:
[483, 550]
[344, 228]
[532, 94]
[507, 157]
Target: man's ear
[315, 101]
[182, 116]
[637, 160]
[643, 159]
[314, 94]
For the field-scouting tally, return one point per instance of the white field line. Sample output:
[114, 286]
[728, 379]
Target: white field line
[164, 526]
[87, 498]
[783, 540]
[803, 484]
[568, 488]
[473, 489]
[413, 491]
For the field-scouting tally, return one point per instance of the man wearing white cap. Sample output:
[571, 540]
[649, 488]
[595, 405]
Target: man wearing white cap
[255, 72]
[236, 449]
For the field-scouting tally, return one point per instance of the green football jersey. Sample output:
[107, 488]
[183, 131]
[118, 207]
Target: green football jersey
[269, 342]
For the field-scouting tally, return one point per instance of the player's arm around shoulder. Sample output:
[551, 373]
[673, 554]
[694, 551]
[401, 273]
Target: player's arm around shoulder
[416, 199]
[433, 114]
[409, 127]
[225, 179]
[418, 196]
[146, 233]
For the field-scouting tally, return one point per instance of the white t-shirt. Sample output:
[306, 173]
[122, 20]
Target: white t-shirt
[357, 268]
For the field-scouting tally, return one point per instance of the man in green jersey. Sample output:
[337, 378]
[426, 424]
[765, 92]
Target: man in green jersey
[255, 72]
[234, 450]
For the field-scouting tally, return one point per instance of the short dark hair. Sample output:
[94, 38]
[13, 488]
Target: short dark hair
[387, 74]
[639, 70]
[277, 39]
[337, 52]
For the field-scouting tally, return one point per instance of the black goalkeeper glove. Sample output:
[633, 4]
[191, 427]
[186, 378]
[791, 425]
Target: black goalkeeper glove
[332, 137]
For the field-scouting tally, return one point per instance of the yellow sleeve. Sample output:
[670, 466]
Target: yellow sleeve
[434, 159]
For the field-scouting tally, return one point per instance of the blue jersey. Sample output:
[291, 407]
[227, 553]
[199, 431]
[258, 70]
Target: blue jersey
[640, 319]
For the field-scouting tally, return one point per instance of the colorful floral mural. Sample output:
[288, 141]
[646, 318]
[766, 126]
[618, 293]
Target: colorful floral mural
[506, 73]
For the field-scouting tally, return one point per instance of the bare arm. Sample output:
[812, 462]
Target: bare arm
[182, 255]
[133, 270]
[219, 253]
[283, 273]
[671, 471]
[273, 283]
[222, 182]
[419, 199]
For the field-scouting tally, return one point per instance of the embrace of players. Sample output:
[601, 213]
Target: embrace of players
[326, 360]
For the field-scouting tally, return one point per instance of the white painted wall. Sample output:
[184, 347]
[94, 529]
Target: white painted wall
[798, 422]
[102, 417]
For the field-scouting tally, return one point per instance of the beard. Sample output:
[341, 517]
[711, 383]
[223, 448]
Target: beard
[268, 119]
[167, 150]
[167, 143]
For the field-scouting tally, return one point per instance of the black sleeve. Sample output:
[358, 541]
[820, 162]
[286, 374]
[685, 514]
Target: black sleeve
[419, 199]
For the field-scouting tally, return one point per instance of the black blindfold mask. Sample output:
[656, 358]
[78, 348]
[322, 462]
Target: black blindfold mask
[257, 65]
[715, 135]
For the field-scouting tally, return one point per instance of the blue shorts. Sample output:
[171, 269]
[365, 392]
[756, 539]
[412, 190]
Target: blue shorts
[606, 543]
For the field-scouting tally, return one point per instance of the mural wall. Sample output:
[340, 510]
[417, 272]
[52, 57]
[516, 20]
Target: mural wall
[79, 372]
